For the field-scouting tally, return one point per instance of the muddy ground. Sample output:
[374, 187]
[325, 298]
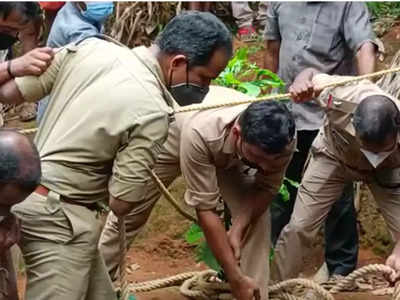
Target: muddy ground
[161, 251]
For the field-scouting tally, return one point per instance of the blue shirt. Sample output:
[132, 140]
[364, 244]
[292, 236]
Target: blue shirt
[69, 26]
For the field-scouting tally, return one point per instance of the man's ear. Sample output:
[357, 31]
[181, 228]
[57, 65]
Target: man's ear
[236, 130]
[176, 61]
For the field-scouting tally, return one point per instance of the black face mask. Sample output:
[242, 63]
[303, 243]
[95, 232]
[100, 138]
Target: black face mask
[6, 41]
[187, 93]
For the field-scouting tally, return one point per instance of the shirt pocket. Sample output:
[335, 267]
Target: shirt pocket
[325, 37]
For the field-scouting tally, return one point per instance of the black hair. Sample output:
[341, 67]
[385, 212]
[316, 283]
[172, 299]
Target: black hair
[376, 118]
[196, 35]
[27, 10]
[268, 125]
[19, 165]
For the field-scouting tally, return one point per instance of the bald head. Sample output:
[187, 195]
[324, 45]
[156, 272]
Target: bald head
[19, 161]
[376, 119]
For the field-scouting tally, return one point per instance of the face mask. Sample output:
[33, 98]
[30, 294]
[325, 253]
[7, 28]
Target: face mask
[375, 159]
[188, 93]
[98, 12]
[6, 41]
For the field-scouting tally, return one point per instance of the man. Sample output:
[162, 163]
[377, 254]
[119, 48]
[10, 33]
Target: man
[75, 21]
[104, 126]
[18, 21]
[244, 15]
[334, 38]
[359, 141]
[19, 176]
[14, 18]
[237, 153]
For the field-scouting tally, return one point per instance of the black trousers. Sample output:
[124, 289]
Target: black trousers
[341, 235]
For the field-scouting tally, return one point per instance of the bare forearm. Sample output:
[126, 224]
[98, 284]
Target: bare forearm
[253, 208]
[271, 58]
[217, 239]
[366, 58]
[4, 75]
[10, 94]
[119, 207]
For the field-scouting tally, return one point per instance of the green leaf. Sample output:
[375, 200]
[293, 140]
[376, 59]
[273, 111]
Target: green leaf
[266, 72]
[204, 253]
[284, 192]
[242, 53]
[292, 182]
[194, 235]
[250, 89]
[271, 254]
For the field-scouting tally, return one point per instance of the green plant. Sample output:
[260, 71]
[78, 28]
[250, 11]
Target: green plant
[245, 76]
[384, 9]
[283, 191]
[195, 236]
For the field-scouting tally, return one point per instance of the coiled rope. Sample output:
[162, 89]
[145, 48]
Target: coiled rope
[204, 285]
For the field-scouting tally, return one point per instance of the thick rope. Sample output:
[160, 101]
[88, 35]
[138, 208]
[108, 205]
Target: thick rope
[196, 107]
[396, 292]
[161, 283]
[276, 289]
[170, 198]
[203, 285]
[348, 282]
[28, 131]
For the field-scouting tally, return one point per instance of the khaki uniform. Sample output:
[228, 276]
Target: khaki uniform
[8, 286]
[106, 121]
[243, 14]
[336, 160]
[200, 145]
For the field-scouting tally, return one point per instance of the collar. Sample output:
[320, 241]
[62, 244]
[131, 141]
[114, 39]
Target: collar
[144, 55]
[229, 142]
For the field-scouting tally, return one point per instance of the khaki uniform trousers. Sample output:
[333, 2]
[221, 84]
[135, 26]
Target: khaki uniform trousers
[59, 244]
[243, 14]
[8, 286]
[324, 180]
[233, 185]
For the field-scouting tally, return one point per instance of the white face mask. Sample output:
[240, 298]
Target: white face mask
[375, 159]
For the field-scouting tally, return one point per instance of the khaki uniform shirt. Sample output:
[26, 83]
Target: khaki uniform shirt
[207, 147]
[338, 137]
[107, 118]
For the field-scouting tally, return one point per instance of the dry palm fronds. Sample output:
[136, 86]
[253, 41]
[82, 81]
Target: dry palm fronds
[138, 23]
